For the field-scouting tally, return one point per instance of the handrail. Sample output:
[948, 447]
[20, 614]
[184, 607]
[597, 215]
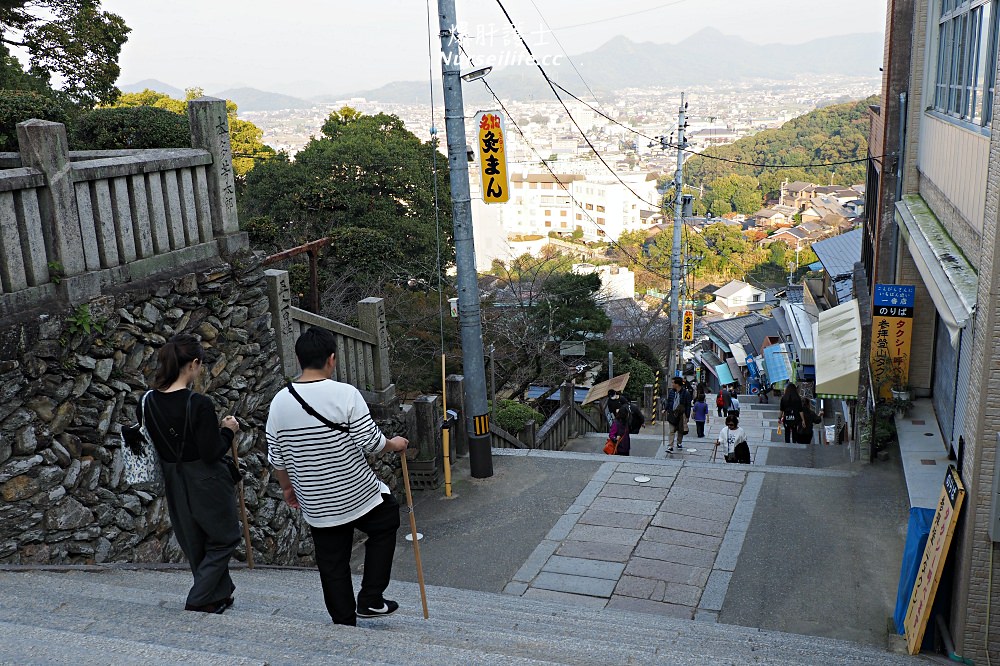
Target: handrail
[333, 326]
[507, 441]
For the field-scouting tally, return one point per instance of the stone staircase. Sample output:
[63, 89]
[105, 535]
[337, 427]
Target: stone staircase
[133, 616]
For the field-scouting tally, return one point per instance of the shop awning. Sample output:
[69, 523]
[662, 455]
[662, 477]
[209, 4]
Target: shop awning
[734, 369]
[723, 373]
[720, 343]
[778, 364]
[949, 278]
[838, 351]
[739, 353]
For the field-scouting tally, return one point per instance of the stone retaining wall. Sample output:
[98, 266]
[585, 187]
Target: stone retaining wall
[69, 379]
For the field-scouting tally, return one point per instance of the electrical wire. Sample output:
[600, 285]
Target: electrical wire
[568, 59]
[434, 171]
[620, 16]
[562, 102]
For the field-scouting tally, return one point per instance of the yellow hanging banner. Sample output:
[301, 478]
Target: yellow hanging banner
[892, 331]
[493, 157]
[687, 326]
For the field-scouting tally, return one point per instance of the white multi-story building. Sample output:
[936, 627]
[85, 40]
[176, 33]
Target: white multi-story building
[603, 207]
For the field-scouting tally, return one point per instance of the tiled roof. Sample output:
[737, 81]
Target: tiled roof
[839, 254]
[732, 330]
[757, 333]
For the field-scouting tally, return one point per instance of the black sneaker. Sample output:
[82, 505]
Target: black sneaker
[387, 608]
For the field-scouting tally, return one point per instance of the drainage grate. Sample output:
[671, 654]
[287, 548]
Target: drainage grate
[927, 461]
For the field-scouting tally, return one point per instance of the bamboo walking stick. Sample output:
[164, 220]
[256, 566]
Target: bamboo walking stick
[243, 509]
[413, 531]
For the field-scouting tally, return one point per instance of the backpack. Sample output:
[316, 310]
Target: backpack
[719, 402]
[635, 418]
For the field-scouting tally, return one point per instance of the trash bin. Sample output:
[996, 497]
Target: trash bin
[831, 434]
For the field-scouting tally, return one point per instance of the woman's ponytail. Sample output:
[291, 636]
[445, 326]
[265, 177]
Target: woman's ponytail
[178, 352]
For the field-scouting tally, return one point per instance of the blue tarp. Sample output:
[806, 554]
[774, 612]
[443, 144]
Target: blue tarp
[808, 372]
[724, 375]
[776, 361]
[579, 393]
[913, 551]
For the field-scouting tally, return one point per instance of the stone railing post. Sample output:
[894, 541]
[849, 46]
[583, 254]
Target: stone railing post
[279, 295]
[43, 146]
[210, 131]
[455, 391]
[371, 320]
[428, 416]
[647, 400]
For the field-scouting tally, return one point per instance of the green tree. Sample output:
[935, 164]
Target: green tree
[71, 39]
[734, 193]
[778, 253]
[568, 308]
[245, 138]
[20, 105]
[138, 127]
[365, 172]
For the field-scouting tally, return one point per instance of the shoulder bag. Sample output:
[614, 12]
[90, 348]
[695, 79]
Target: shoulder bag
[142, 462]
[611, 447]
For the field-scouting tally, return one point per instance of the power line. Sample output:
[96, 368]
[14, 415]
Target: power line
[566, 108]
[620, 16]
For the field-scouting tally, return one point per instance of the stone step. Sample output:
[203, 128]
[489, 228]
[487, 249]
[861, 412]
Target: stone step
[497, 624]
[272, 638]
[20, 644]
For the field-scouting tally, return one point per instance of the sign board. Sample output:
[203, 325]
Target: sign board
[892, 331]
[572, 348]
[687, 326]
[752, 367]
[601, 390]
[493, 157]
[932, 563]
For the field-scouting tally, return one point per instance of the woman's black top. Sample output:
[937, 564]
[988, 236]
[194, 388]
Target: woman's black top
[205, 440]
[791, 406]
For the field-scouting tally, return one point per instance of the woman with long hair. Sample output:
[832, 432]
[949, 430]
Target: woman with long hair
[791, 415]
[199, 487]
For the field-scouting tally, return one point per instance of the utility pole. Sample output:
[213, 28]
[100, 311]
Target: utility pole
[676, 276]
[477, 414]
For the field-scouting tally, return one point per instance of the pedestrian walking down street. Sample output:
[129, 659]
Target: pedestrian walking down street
[734, 406]
[677, 408]
[318, 432]
[619, 431]
[791, 411]
[200, 492]
[699, 412]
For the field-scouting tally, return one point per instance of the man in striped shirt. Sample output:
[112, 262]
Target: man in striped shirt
[318, 432]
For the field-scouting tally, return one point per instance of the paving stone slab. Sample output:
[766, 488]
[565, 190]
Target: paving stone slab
[702, 615]
[612, 519]
[707, 486]
[715, 590]
[673, 553]
[707, 510]
[562, 526]
[595, 550]
[689, 539]
[585, 585]
[676, 521]
[717, 472]
[618, 505]
[535, 561]
[729, 551]
[577, 566]
[655, 480]
[648, 606]
[634, 586]
[688, 495]
[633, 491]
[671, 572]
[565, 598]
[619, 535]
[680, 594]
[515, 588]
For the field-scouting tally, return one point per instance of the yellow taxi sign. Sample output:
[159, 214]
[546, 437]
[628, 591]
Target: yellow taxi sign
[493, 157]
[687, 326]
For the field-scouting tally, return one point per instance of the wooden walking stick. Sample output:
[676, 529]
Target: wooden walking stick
[243, 509]
[413, 531]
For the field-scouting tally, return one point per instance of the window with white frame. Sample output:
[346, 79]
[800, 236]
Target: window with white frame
[967, 59]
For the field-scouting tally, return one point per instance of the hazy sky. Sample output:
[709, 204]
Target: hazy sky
[314, 46]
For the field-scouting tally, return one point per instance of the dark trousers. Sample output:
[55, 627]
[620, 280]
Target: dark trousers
[701, 428]
[789, 430]
[201, 500]
[333, 558]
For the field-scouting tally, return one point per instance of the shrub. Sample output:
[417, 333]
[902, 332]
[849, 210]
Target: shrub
[134, 127]
[20, 105]
[512, 415]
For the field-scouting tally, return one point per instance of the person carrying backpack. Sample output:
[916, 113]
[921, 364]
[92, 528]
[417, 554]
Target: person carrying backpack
[635, 417]
[677, 408]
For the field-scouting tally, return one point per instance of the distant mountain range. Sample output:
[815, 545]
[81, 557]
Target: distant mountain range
[706, 57]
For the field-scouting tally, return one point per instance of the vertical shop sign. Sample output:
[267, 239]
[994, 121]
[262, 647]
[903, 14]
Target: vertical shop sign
[493, 157]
